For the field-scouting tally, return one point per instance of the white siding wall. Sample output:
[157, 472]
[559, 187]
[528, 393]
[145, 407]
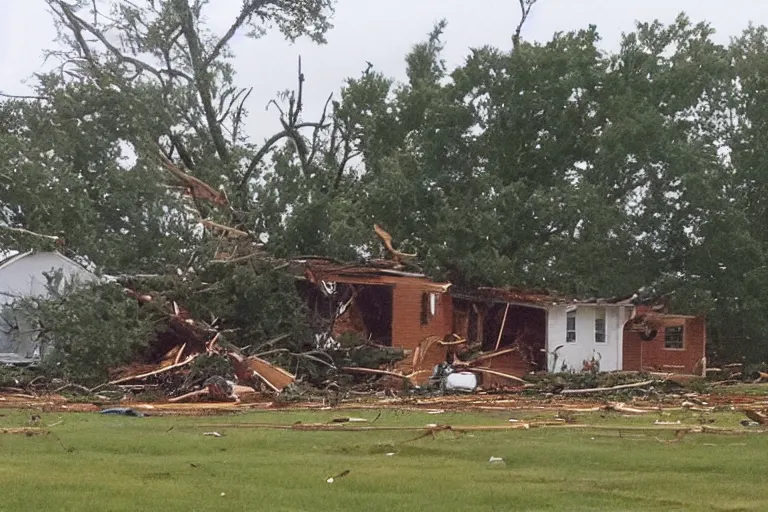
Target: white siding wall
[24, 278]
[556, 325]
[574, 354]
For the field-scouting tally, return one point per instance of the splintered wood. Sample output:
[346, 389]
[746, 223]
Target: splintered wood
[756, 416]
[274, 377]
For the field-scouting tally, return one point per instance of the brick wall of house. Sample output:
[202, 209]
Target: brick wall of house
[651, 355]
[408, 331]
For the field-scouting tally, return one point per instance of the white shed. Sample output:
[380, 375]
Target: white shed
[22, 276]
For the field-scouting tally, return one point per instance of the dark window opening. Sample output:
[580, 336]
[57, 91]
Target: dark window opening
[473, 324]
[673, 337]
[375, 305]
[428, 307]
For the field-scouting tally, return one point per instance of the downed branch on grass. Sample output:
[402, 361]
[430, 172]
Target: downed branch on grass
[343, 427]
[603, 390]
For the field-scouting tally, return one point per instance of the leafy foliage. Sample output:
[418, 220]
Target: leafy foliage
[89, 331]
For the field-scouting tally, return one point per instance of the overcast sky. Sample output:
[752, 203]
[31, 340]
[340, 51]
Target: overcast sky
[381, 31]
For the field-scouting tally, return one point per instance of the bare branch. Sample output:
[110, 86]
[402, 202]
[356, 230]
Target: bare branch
[262, 152]
[71, 20]
[237, 118]
[202, 78]
[300, 97]
[347, 155]
[316, 131]
[245, 15]
[22, 97]
[224, 112]
[525, 10]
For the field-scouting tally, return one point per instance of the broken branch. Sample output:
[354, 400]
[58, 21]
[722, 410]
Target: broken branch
[28, 232]
[497, 374]
[155, 372]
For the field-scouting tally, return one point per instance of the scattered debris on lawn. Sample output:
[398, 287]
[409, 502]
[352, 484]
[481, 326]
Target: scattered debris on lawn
[349, 420]
[756, 416]
[123, 411]
[340, 475]
[27, 431]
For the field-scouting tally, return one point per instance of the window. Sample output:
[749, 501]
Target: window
[600, 326]
[673, 337]
[570, 327]
[428, 307]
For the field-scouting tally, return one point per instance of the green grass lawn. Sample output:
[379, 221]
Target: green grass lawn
[102, 463]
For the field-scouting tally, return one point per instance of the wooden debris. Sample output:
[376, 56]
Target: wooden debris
[621, 407]
[195, 187]
[491, 355]
[155, 372]
[495, 373]
[275, 377]
[501, 329]
[386, 239]
[603, 390]
[228, 231]
[373, 371]
[756, 416]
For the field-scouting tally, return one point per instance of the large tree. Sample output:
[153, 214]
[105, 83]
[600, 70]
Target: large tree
[550, 164]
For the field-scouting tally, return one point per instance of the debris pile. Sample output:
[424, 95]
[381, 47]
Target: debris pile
[169, 358]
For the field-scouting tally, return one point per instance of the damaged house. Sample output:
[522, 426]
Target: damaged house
[655, 340]
[27, 275]
[536, 331]
[387, 307]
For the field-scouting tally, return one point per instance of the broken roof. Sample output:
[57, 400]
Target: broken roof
[372, 272]
[542, 298]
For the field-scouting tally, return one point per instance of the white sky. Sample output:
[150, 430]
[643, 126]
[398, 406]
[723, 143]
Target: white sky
[381, 32]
